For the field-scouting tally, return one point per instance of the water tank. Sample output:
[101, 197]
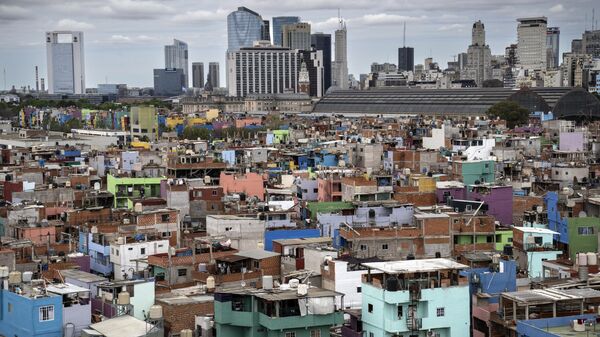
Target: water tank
[210, 283]
[294, 283]
[267, 282]
[14, 277]
[202, 267]
[3, 272]
[582, 259]
[138, 208]
[583, 273]
[592, 259]
[302, 289]
[496, 258]
[123, 298]
[186, 333]
[392, 284]
[508, 250]
[27, 276]
[156, 312]
[438, 255]
[120, 240]
[94, 230]
[410, 257]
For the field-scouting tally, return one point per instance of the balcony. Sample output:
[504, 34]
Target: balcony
[413, 324]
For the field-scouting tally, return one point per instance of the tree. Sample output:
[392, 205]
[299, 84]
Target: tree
[510, 111]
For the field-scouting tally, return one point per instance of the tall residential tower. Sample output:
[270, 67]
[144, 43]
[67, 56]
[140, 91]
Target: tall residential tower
[531, 44]
[66, 66]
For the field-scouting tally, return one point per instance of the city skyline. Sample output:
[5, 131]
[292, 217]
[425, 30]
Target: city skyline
[124, 39]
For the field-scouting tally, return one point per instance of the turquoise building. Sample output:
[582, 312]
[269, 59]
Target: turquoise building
[30, 314]
[416, 298]
[250, 312]
[533, 246]
[476, 170]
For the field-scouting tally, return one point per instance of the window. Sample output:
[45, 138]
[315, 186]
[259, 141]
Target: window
[587, 230]
[468, 208]
[384, 246]
[363, 247]
[370, 307]
[400, 313]
[10, 307]
[315, 333]
[509, 239]
[440, 312]
[315, 190]
[143, 251]
[358, 289]
[290, 334]
[47, 313]
[165, 217]
[371, 334]
[214, 192]
[116, 252]
[130, 248]
[181, 272]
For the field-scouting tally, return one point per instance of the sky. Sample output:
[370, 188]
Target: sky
[124, 39]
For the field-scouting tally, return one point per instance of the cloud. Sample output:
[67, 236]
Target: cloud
[557, 8]
[387, 19]
[326, 25]
[453, 26]
[135, 9]
[10, 13]
[73, 25]
[125, 39]
[201, 16]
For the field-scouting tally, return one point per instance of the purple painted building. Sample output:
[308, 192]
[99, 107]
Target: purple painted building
[445, 189]
[498, 198]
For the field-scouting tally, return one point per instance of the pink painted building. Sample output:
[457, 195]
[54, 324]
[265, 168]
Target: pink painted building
[252, 184]
[243, 122]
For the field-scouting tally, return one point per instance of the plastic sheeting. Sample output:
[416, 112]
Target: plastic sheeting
[316, 306]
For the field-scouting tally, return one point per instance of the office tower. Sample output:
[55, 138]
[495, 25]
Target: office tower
[479, 57]
[406, 59]
[266, 31]
[278, 23]
[531, 45]
[383, 67]
[552, 47]
[577, 46]
[278, 75]
[169, 81]
[198, 75]
[176, 56]
[244, 27]
[462, 61]
[510, 54]
[213, 75]
[341, 57]
[313, 60]
[297, 36]
[320, 41]
[42, 84]
[590, 43]
[66, 66]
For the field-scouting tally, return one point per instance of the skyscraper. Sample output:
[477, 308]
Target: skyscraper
[66, 66]
[278, 23]
[552, 47]
[322, 42]
[198, 75]
[243, 28]
[341, 57]
[213, 75]
[406, 59]
[266, 31]
[176, 56]
[297, 36]
[590, 43]
[169, 81]
[479, 56]
[531, 44]
[313, 59]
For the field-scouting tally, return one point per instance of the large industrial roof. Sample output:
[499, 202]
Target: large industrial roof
[453, 102]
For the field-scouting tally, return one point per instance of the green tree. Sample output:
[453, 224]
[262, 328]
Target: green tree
[510, 111]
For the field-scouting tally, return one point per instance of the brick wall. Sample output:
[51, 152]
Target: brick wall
[182, 316]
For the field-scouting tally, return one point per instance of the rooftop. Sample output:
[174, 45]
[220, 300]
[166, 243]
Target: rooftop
[413, 266]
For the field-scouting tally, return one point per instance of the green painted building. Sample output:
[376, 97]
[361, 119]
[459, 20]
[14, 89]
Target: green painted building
[144, 122]
[503, 238]
[316, 207]
[583, 235]
[250, 312]
[477, 170]
[125, 189]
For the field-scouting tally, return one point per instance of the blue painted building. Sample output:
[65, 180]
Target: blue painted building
[29, 315]
[98, 248]
[555, 221]
[493, 280]
[552, 327]
[271, 235]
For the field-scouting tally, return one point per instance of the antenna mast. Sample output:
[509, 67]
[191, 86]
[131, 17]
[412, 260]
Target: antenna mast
[404, 36]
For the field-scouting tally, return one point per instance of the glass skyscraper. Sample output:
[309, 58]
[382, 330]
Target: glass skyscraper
[278, 23]
[243, 28]
[322, 42]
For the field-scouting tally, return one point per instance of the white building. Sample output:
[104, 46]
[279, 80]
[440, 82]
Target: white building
[340, 65]
[127, 256]
[77, 307]
[344, 277]
[531, 45]
[245, 233]
[176, 56]
[66, 66]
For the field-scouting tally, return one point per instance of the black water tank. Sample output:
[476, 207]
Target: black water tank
[438, 255]
[392, 284]
[508, 250]
[410, 257]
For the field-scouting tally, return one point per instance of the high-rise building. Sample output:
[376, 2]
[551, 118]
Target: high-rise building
[383, 67]
[531, 45]
[278, 23]
[176, 56]
[313, 60]
[297, 36]
[462, 61]
[169, 81]
[278, 75]
[66, 66]
[198, 75]
[244, 27]
[266, 31]
[590, 43]
[510, 53]
[479, 57]
[321, 41]
[340, 79]
[577, 46]
[213, 75]
[552, 47]
[406, 59]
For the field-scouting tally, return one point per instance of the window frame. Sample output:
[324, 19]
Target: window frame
[46, 310]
